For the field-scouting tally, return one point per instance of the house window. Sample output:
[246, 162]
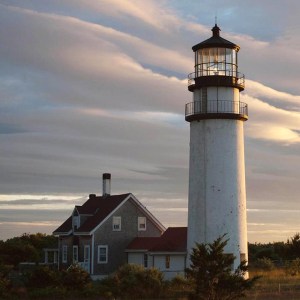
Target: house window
[145, 260]
[75, 222]
[102, 254]
[116, 223]
[75, 254]
[141, 223]
[167, 261]
[86, 253]
[65, 254]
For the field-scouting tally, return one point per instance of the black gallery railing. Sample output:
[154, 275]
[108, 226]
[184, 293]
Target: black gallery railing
[237, 77]
[215, 107]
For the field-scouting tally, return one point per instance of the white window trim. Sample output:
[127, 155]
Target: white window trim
[142, 220]
[98, 252]
[117, 221]
[64, 253]
[87, 254]
[75, 251]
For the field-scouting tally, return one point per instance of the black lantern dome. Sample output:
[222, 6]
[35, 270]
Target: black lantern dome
[216, 41]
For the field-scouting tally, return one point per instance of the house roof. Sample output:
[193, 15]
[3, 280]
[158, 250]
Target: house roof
[174, 239]
[99, 207]
[65, 227]
[102, 207]
[143, 243]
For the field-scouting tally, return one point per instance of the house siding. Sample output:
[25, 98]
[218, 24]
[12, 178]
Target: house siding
[66, 241]
[117, 241]
[136, 258]
[177, 264]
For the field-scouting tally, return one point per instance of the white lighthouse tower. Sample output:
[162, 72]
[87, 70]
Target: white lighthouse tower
[217, 192]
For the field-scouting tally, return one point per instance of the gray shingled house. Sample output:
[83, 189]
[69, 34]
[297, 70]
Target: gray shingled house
[98, 232]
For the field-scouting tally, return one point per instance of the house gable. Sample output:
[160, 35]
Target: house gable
[91, 213]
[117, 240]
[104, 208]
[98, 241]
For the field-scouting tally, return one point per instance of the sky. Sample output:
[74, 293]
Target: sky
[89, 87]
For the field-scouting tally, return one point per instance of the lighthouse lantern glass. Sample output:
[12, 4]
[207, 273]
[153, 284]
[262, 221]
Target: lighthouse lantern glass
[216, 61]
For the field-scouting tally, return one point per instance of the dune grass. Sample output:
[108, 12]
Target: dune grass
[275, 284]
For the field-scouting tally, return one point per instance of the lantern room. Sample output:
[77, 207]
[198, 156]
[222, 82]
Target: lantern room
[216, 63]
[216, 83]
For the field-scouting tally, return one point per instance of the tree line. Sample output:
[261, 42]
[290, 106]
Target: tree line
[26, 248]
[29, 248]
[277, 252]
[209, 276]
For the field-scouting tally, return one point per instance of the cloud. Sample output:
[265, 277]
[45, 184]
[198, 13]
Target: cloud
[270, 122]
[256, 89]
[79, 60]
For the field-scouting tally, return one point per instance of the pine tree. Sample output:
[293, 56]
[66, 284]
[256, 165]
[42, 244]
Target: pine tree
[211, 275]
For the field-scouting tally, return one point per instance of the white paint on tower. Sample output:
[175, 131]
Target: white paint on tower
[217, 190]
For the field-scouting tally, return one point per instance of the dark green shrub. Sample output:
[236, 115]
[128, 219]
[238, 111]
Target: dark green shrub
[48, 293]
[293, 267]
[5, 283]
[107, 287]
[43, 277]
[178, 287]
[75, 278]
[135, 282]
[265, 264]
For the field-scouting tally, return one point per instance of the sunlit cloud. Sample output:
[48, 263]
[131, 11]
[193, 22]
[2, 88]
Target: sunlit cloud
[272, 123]
[32, 202]
[38, 224]
[256, 89]
[264, 224]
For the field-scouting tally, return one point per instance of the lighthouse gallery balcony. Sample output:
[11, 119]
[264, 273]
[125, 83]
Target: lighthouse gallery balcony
[216, 77]
[216, 109]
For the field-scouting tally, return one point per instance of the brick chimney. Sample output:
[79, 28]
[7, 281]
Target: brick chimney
[106, 184]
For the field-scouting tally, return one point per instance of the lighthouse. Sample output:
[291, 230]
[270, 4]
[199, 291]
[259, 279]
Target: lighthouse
[217, 190]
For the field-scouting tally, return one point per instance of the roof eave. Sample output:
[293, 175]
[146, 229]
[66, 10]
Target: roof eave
[150, 215]
[136, 250]
[215, 45]
[167, 252]
[83, 233]
[216, 41]
[58, 233]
